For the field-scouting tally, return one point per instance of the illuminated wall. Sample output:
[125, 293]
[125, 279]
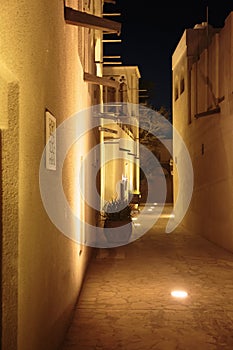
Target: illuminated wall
[128, 165]
[119, 165]
[202, 113]
[42, 60]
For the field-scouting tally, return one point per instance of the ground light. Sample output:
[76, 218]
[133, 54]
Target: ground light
[167, 216]
[179, 294]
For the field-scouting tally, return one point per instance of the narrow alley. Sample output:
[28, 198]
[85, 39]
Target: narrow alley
[126, 301]
[105, 105]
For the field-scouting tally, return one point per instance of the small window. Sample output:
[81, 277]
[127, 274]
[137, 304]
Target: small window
[123, 92]
[181, 85]
[176, 93]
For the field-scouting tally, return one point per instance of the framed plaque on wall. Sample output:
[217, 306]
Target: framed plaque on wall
[50, 130]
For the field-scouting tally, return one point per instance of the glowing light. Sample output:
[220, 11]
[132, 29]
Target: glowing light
[137, 224]
[155, 203]
[167, 216]
[149, 209]
[134, 219]
[179, 294]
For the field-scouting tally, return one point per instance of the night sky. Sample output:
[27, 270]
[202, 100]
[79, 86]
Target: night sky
[150, 33]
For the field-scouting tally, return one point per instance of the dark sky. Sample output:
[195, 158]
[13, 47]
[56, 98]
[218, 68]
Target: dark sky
[150, 33]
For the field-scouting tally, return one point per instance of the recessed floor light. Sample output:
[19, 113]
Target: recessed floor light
[179, 294]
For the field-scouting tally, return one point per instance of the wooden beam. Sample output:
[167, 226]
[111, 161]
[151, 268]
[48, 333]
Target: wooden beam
[207, 113]
[112, 63]
[114, 14]
[94, 79]
[112, 131]
[83, 19]
[111, 56]
[111, 41]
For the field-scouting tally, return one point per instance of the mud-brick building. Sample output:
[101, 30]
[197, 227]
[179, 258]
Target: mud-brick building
[202, 69]
[48, 73]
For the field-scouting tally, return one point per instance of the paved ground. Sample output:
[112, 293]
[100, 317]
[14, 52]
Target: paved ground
[126, 301]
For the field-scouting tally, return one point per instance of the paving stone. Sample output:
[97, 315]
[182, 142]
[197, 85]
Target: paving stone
[126, 301]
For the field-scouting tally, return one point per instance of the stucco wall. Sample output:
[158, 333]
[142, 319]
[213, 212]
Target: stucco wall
[180, 119]
[126, 165]
[118, 163]
[209, 139]
[42, 269]
[10, 224]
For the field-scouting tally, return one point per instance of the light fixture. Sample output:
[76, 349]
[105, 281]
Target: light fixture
[179, 294]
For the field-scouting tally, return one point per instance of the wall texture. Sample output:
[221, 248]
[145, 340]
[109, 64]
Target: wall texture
[208, 85]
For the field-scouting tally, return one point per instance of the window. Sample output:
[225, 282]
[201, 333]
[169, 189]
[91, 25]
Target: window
[176, 88]
[176, 92]
[181, 85]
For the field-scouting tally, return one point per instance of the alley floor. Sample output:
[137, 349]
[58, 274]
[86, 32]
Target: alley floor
[126, 301]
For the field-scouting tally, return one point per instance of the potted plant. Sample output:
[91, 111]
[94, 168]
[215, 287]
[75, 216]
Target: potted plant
[118, 221]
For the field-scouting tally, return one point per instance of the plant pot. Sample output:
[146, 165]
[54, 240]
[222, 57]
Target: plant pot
[118, 232]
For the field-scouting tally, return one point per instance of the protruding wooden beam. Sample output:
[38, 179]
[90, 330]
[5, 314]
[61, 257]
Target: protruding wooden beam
[94, 79]
[113, 63]
[110, 1]
[209, 112]
[111, 56]
[111, 40]
[112, 131]
[114, 14]
[83, 19]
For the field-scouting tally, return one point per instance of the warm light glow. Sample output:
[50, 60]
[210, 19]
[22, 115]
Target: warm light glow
[167, 216]
[179, 294]
[149, 209]
[134, 219]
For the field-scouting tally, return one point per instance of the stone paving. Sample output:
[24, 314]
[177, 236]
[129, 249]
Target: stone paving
[126, 301]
